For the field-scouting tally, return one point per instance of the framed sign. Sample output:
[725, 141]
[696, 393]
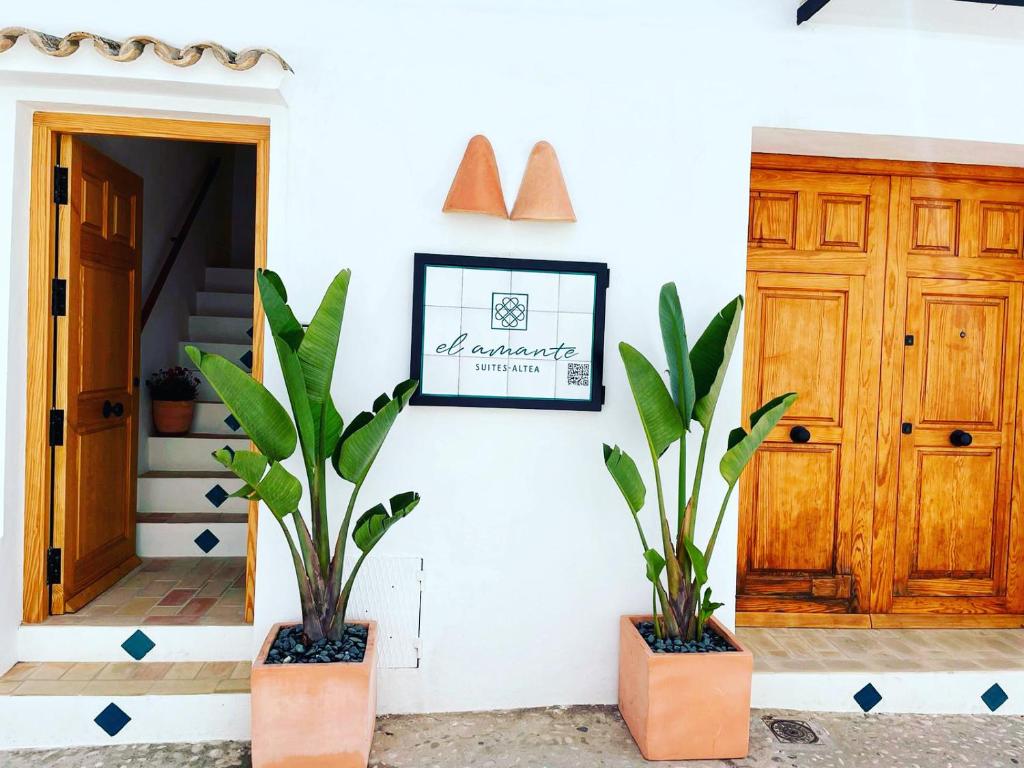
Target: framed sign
[508, 333]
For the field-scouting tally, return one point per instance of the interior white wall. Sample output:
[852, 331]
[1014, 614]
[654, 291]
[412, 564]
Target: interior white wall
[529, 554]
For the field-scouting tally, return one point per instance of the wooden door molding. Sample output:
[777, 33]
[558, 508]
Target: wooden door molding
[872, 167]
[40, 356]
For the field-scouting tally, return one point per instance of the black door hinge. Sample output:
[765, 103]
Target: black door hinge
[52, 566]
[908, 340]
[60, 185]
[56, 426]
[59, 297]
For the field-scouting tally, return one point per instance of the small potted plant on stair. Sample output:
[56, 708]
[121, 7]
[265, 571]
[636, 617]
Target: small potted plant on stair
[313, 683]
[684, 679]
[172, 392]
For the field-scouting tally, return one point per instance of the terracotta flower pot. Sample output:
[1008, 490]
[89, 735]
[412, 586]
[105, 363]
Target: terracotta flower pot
[173, 417]
[314, 715]
[685, 706]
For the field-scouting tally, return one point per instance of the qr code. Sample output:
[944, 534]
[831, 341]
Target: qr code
[578, 375]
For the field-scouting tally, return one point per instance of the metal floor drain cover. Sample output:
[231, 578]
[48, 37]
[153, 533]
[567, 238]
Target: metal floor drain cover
[792, 731]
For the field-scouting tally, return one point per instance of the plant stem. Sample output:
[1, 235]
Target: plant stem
[698, 477]
[338, 561]
[681, 502]
[718, 524]
[318, 492]
[654, 613]
[666, 535]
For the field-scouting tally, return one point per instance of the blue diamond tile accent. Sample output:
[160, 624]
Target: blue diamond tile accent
[138, 645]
[867, 698]
[246, 359]
[249, 332]
[994, 697]
[112, 719]
[230, 450]
[232, 422]
[217, 495]
[207, 540]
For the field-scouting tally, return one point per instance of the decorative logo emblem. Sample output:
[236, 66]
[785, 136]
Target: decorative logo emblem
[510, 311]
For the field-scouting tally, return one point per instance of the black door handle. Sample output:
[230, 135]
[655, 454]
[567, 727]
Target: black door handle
[112, 409]
[800, 434]
[960, 438]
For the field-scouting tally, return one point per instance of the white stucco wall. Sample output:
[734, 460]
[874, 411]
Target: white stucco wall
[529, 553]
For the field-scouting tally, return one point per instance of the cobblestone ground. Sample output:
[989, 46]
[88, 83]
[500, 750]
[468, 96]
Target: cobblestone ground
[594, 737]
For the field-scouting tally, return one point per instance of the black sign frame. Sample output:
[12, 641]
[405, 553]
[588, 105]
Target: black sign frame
[601, 274]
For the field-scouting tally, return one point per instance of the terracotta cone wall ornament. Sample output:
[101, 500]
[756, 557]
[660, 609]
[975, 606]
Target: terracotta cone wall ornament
[542, 193]
[477, 186]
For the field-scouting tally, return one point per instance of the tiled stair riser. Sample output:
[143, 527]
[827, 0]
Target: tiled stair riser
[221, 304]
[153, 719]
[229, 279]
[190, 453]
[955, 692]
[191, 539]
[215, 419]
[189, 494]
[222, 330]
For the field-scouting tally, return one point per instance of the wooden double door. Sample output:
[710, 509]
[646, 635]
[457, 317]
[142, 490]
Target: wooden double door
[890, 300]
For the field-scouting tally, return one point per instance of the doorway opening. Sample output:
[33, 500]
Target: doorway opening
[145, 237]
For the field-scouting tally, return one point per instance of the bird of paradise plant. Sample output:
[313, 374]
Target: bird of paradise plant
[667, 414]
[307, 357]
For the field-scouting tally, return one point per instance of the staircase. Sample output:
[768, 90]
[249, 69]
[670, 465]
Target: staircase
[183, 504]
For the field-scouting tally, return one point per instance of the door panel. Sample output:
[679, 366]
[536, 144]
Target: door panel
[797, 525]
[94, 515]
[815, 260]
[952, 510]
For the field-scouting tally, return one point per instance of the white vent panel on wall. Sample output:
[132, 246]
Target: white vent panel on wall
[388, 591]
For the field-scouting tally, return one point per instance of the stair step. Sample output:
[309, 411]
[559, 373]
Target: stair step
[229, 279]
[232, 330]
[239, 354]
[215, 419]
[189, 492]
[190, 539]
[123, 702]
[190, 452]
[224, 304]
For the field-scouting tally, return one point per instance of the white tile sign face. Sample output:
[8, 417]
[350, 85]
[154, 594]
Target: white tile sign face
[518, 336]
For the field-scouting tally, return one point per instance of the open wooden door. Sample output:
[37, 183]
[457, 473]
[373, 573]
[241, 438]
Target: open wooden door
[97, 369]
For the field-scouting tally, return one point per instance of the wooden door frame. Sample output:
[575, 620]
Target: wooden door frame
[888, 394]
[46, 127]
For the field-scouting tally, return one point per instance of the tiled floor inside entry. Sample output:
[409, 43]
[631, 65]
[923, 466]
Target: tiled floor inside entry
[884, 650]
[170, 591]
[56, 678]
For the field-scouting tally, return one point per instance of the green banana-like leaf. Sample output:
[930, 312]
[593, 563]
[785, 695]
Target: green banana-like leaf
[743, 445]
[710, 357]
[658, 414]
[277, 488]
[655, 565]
[677, 351]
[274, 297]
[362, 440]
[700, 566]
[296, 386]
[319, 347]
[623, 470]
[264, 419]
[373, 524]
